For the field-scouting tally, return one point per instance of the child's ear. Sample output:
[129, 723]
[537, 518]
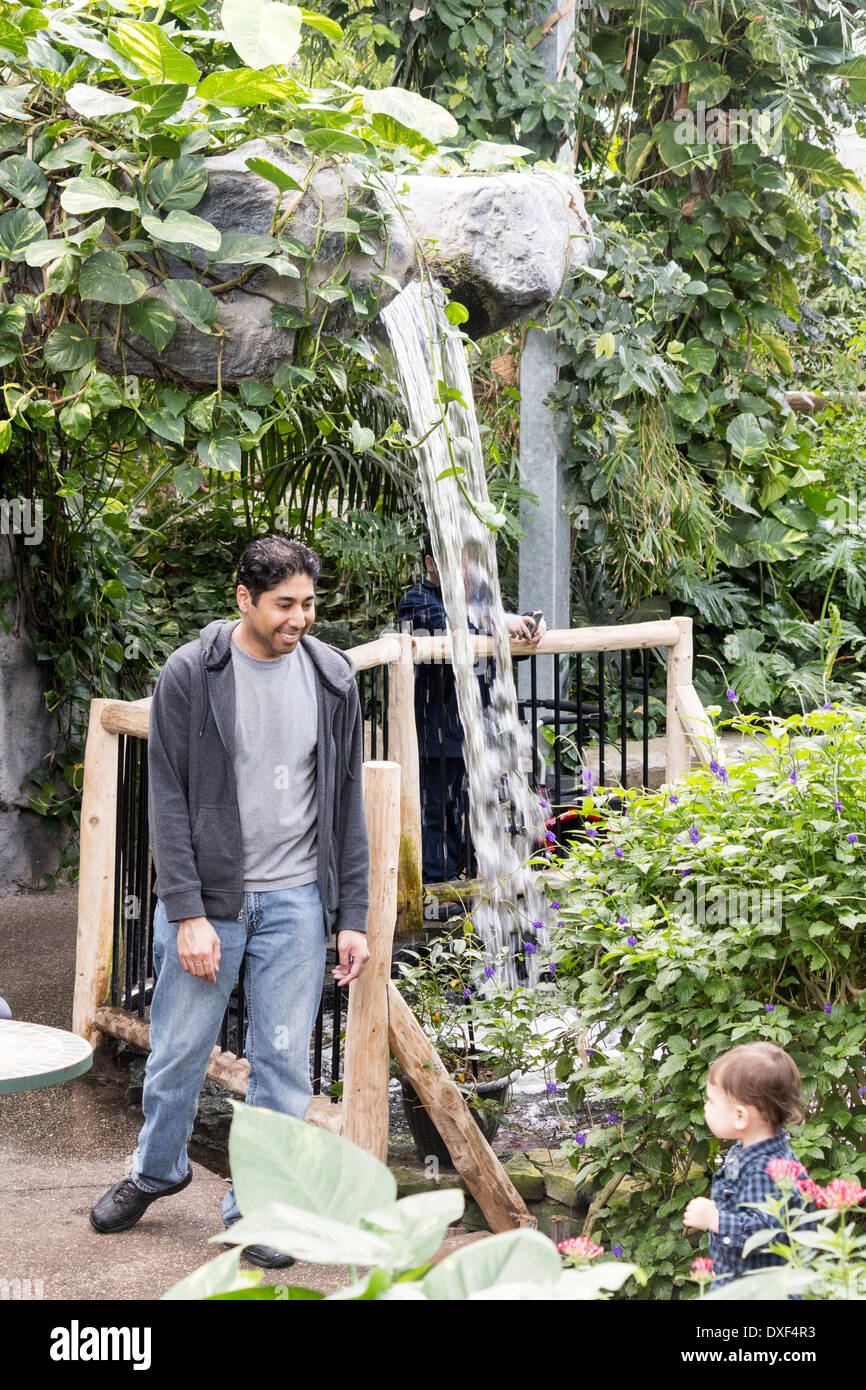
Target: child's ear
[741, 1117]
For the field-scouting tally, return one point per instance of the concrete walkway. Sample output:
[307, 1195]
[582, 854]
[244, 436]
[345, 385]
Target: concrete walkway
[61, 1147]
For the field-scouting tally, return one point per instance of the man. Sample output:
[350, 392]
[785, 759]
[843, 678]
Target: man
[259, 841]
[437, 721]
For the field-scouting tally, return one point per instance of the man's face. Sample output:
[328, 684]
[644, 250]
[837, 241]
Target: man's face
[282, 615]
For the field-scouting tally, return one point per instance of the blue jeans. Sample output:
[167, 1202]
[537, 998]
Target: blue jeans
[282, 935]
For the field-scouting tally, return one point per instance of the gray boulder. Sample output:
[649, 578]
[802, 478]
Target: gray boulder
[503, 244]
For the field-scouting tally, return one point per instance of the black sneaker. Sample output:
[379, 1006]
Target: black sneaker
[126, 1203]
[265, 1256]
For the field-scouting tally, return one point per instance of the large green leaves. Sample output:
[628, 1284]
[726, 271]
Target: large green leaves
[397, 114]
[263, 33]
[178, 183]
[153, 53]
[96, 101]
[106, 277]
[17, 230]
[821, 166]
[88, 194]
[746, 437]
[23, 180]
[154, 320]
[194, 302]
[183, 227]
[68, 348]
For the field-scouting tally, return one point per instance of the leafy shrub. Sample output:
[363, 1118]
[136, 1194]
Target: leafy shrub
[726, 910]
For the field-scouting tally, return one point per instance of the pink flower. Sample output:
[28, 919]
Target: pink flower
[843, 1192]
[810, 1190]
[785, 1171]
[702, 1268]
[580, 1246]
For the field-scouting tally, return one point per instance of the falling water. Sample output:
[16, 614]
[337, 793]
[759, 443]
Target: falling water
[505, 818]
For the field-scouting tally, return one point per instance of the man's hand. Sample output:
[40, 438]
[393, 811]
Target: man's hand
[198, 947]
[520, 629]
[702, 1215]
[353, 953]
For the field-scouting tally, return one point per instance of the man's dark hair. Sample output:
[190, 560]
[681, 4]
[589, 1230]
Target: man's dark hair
[269, 560]
[428, 546]
[762, 1075]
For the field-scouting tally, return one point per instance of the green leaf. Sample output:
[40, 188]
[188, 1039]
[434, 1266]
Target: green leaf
[24, 180]
[737, 491]
[263, 33]
[72, 152]
[76, 419]
[13, 100]
[288, 316]
[700, 356]
[153, 320]
[218, 1276]
[410, 111]
[241, 87]
[669, 65]
[94, 101]
[187, 479]
[183, 227]
[153, 53]
[196, 304]
[689, 407]
[178, 183]
[328, 27]
[822, 167]
[241, 248]
[105, 277]
[746, 438]
[278, 177]
[334, 142]
[160, 422]
[515, 1257]
[362, 438]
[17, 230]
[68, 348]
[220, 450]
[456, 313]
[160, 101]
[489, 154]
[88, 194]
[41, 253]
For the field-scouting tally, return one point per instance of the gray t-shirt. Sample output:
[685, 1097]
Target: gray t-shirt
[276, 726]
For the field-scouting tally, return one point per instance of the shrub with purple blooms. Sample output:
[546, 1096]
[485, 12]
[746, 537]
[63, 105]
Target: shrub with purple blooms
[752, 928]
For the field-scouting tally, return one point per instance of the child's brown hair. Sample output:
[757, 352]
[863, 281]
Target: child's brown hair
[763, 1075]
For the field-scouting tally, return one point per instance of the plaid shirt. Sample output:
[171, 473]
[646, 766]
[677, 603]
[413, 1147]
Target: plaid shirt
[743, 1177]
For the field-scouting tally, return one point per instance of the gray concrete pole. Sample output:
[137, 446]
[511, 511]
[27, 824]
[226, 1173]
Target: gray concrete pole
[545, 553]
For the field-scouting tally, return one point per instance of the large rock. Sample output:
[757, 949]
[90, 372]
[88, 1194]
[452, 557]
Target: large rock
[503, 244]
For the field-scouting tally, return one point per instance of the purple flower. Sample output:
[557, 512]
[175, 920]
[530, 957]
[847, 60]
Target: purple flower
[623, 921]
[723, 774]
[608, 892]
[852, 839]
[590, 1052]
[837, 805]
[694, 834]
[632, 940]
[618, 853]
[580, 1139]
[552, 967]
[714, 766]
[828, 1008]
[861, 1090]
[467, 994]
[674, 800]
[616, 1251]
[685, 871]
[543, 804]
[587, 778]
[560, 924]
[827, 706]
[551, 838]
[613, 1118]
[732, 696]
[530, 948]
[591, 832]
[768, 1008]
[793, 775]
[489, 971]
[536, 926]
[556, 904]
[551, 1088]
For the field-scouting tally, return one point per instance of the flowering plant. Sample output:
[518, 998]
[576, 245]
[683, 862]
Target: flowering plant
[679, 948]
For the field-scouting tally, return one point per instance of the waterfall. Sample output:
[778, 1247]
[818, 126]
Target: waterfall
[505, 818]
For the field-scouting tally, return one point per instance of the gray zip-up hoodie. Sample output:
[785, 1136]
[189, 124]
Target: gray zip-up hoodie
[195, 832]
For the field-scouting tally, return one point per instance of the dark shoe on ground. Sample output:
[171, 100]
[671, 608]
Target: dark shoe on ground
[265, 1256]
[126, 1203]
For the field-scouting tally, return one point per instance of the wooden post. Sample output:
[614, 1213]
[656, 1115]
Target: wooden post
[96, 875]
[473, 1157]
[366, 1059]
[679, 673]
[403, 749]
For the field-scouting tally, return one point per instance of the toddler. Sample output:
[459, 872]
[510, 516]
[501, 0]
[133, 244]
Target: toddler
[752, 1091]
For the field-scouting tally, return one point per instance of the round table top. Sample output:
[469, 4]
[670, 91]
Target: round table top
[34, 1055]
